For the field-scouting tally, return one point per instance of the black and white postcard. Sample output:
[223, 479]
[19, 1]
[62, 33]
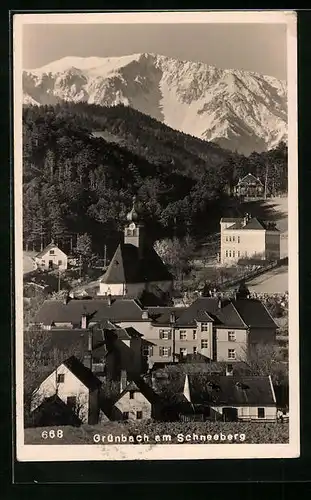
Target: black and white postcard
[156, 236]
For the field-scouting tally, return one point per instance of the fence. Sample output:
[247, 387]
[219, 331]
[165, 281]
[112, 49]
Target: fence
[246, 276]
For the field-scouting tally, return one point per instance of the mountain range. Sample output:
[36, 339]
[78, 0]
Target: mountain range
[238, 110]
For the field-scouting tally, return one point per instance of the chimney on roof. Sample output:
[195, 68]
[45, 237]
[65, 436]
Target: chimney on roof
[123, 380]
[88, 361]
[172, 317]
[83, 321]
[145, 315]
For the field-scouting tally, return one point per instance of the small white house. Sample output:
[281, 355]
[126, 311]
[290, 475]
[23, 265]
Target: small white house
[132, 405]
[51, 257]
[75, 385]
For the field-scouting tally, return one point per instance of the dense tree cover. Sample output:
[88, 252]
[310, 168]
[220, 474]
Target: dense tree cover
[76, 183]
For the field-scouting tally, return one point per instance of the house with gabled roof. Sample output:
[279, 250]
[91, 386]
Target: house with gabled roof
[137, 401]
[248, 238]
[79, 313]
[51, 257]
[75, 385]
[136, 266]
[219, 330]
[249, 187]
[217, 397]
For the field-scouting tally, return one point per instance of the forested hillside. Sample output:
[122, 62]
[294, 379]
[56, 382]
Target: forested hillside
[75, 182]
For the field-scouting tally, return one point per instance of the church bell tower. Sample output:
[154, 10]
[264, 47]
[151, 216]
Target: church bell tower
[133, 232]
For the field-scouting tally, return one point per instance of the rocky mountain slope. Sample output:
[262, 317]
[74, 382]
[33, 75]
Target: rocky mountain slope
[238, 110]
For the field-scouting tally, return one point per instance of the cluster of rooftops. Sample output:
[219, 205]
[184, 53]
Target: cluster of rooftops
[239, 313]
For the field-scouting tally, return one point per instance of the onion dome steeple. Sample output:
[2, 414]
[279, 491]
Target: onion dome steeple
[133, 215]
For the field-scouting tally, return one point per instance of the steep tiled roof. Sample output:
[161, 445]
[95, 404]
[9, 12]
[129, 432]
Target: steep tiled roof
[132, 332]
[83, 373]
[204, 307]
[231, 219]
[161, 315]
[96, 310]
[139, 385]
[241, 313]
[51, 246]
[127, 266]
[253, 223]
[230, 390]
[254, 313]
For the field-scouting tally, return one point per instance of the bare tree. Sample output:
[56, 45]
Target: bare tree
[264, 360]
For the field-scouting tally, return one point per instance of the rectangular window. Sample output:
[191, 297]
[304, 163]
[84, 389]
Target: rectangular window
[227, 238]
[204, 344]
[183, 334]
[204, 327]
[139, 415]
[52, 252]
[238, 253]
[229, 253]
[261, 412]
[233, 238]
[231, 353]
[60, 378]
[125, 415]
[194, 335]
[145, 350]
[183, 351]
[132, 394]
[164, 351]
[226, 253]
[233, 253]
[72, 402]
[195, 350]
[59, 262]
[231, 336]
[165, 334]
[238, 239]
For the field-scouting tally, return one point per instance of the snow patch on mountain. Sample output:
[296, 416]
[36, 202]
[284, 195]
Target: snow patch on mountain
[237, 109]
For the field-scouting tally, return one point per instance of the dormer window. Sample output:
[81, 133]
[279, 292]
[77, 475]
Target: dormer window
[242, 386]
[204, 327]
[52, 252]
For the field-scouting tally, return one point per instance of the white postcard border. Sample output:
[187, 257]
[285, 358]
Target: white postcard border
[47, 453]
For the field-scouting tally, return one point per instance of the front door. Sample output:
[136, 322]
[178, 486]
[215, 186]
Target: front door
[230, 414]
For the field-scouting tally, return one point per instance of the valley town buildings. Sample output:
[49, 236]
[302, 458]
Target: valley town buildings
[248, 238]
[121, 332]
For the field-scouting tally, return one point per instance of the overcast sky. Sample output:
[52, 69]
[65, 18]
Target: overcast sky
[253, 47]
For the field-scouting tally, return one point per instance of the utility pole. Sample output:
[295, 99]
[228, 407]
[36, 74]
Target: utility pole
[105, 256]
[266, 182]
[80, 264]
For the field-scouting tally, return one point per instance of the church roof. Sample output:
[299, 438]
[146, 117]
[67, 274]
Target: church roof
[128, 266]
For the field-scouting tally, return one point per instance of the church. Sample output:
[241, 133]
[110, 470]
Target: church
[136, 268]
